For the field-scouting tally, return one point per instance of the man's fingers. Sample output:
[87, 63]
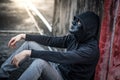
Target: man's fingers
[13, 43]
[10, 42]
[15, 62]
[14, 46]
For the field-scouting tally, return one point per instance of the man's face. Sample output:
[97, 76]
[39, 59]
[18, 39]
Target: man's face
[76, 26]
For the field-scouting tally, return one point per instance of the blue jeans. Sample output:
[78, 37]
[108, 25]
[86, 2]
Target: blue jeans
[38, 68]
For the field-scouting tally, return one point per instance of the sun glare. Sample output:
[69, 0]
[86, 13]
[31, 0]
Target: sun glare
[29, 6]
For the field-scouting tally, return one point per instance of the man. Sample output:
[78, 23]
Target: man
[77, 63]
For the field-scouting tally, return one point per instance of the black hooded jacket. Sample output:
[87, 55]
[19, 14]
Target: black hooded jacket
[80, 59]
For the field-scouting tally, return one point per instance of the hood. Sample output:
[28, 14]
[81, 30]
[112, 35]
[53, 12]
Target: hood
[90, 22]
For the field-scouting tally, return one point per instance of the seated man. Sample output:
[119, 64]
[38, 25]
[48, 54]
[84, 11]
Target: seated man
[77, 63]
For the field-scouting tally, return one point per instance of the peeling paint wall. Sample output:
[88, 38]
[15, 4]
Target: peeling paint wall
[109, 63]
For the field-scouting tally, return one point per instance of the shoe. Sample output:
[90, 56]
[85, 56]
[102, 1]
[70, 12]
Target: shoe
[3, 75]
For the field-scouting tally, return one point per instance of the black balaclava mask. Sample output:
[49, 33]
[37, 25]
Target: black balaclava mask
[85, 26]
[76, 27]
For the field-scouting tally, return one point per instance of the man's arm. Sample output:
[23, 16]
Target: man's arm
[60, 42]
[69, 57]
[86, 56]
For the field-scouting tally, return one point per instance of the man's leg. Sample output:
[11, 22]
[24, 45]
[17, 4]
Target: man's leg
[28, 45]
[41, 68]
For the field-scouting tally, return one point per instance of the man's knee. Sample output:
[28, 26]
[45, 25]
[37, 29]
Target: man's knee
[34, 45]
[29, 42]
[40, 63]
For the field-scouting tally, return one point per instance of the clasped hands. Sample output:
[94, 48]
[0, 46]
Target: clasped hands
[23, 54]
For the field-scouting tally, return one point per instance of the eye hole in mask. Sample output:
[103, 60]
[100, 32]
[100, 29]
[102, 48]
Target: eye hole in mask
[76, 21]
[75, 18]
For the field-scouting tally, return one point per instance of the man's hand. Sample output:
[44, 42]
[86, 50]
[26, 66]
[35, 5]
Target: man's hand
[20, 56]
[14, 40]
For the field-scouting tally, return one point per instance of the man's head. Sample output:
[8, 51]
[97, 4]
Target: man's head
[77, 26]
[85, 26]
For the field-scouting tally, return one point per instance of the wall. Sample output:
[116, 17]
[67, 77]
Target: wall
[64, 10]
[109, 64]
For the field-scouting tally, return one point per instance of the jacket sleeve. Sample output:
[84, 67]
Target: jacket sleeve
[69, 57]
[60, 42]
